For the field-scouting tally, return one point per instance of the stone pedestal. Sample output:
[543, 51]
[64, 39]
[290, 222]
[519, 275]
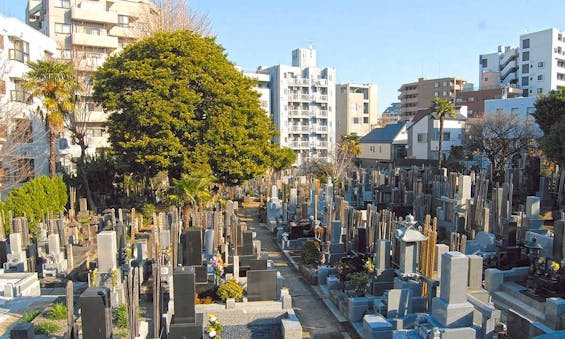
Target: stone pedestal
[376, 327]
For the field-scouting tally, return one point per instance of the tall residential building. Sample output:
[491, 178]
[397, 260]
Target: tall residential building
[357, 109]
[263, 88]
[499, 69]
[416, 96]
[391, 113]
[24, 150]
[86, 33]
[303, 106]
[537, 65]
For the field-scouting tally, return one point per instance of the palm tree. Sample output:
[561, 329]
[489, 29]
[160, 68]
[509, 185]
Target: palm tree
[192, 191]
[54, 83]
[440, 109]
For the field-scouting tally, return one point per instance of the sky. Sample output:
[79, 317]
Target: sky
[371, 41]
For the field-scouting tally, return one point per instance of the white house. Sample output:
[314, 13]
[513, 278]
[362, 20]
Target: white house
[24, 150]
[423, 134]
[383, 144]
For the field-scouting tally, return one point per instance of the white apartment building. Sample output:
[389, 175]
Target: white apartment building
[24, 149]
[303, 106]
[357, 109]
[536, 66]
[86, 33]
[263, 88]
[392, 113]
[499, 69]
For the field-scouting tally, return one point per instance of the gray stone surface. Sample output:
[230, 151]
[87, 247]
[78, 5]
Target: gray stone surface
[475, 272]
[452, 315]
[455, 269]
[262, 285]
[357, 308]
[107, 251]
[382, 255]
[399, 303]
[376, 327]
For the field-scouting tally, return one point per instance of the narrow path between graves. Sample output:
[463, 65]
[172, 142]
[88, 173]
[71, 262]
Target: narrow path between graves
[317, 321]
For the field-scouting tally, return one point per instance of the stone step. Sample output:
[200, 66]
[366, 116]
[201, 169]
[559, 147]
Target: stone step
[506, 301]
[515, 290]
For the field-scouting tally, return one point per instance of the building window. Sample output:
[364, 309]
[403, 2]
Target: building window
[66, 54]
[436, 84]
[444, 93]
[372, 149]
[18, 94]
[540, 64]
[514, 110]
[484, 63]
[365, 120]
[62, 28]
[525, 56]
[436, 94]
[123, 21]
[526, 43]
[525, 81]
[525, 92]
[525, 68]
[355, 121]
[421, 137]
[92, 30]
[63, 3]
[445, 84]
[446, 136]
[499, 110]
[540, 90]
[23, 133]
[540, 77]
[20, 52]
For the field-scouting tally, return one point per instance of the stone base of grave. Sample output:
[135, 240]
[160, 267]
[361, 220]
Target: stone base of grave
[452, 315]
[187, 330]
[356, 308]
[415, 286]
[376, 327]
[459, 333]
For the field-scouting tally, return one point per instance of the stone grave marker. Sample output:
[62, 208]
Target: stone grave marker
[96, 313]
[107, 251]
[191, 243]
[262, 285]
[186, 323]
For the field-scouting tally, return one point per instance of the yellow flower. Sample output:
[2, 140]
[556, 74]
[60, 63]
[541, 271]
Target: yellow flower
[555, 266]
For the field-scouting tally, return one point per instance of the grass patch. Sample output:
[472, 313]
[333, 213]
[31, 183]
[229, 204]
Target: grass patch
[121, 316]
[45, 327]
[57, 312]
[29, 316]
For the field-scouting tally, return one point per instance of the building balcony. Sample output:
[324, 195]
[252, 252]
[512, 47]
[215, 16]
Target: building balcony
[299, 82]
[322, 144]
[320, 113]
[299, 113]
[320, 98]
[299, 145]
[299, 97]
[299, 129]
[83, 39]
[321, 129]
[123, 32]
[94, 15]
[321, 83]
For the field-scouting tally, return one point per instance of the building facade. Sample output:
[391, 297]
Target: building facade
[537, 66]
[475, 99]
[416, 96]
[86, 32]
[384, 144]
[303, 106]
[24, 149]
[423, 134]
[391, 113]
[263, 87]
[357, 109]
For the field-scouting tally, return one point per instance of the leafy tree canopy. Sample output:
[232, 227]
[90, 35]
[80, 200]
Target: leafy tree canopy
[550, 116]
[181, 106]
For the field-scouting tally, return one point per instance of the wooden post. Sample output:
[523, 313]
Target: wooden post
[70, 308]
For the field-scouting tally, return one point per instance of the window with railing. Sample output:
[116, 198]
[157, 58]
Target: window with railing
[23, 132]
[123, 21]
[63, 3]
[62, 28]
[65, 54]
[20, 52]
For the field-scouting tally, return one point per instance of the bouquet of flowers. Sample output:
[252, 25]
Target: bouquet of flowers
[218, 267]
[214, 328]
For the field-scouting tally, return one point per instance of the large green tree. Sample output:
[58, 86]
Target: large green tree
[179, 105]
[550, 116]
[440, 109]
[54, 83]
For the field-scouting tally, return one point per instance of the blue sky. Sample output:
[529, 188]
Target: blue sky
[383, 42]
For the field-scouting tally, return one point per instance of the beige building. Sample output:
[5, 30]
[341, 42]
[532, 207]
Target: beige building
[86, 33]
[357, 109]
[418, 95]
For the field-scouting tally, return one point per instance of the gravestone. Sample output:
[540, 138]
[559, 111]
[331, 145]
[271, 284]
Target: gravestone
[399, 303]
[96, 313]
[23, 331]
[191, 241]
[16, 259]
[209, 242]
[451, 308]
[247, 247]
[186, 323]
[107, 251]
[262, 285]
[257, 264]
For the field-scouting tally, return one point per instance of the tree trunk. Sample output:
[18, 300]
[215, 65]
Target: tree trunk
[440, 150]
[52, 151]
[186, 216]
[84, 175]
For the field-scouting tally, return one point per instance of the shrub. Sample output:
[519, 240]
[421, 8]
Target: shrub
[311, 254]
[230, 289]
[121, 316]
[57, 312]
[46, 327]
[29, 316]
[147, 211]
[359, 280]
[205, 300]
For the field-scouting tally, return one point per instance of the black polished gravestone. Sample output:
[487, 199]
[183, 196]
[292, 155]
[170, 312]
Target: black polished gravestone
[362, 239]
[186, 323]
[262, 285]
[22, 331]
[258, 264]
[96, 313]
[247, 248]
[191, 244]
